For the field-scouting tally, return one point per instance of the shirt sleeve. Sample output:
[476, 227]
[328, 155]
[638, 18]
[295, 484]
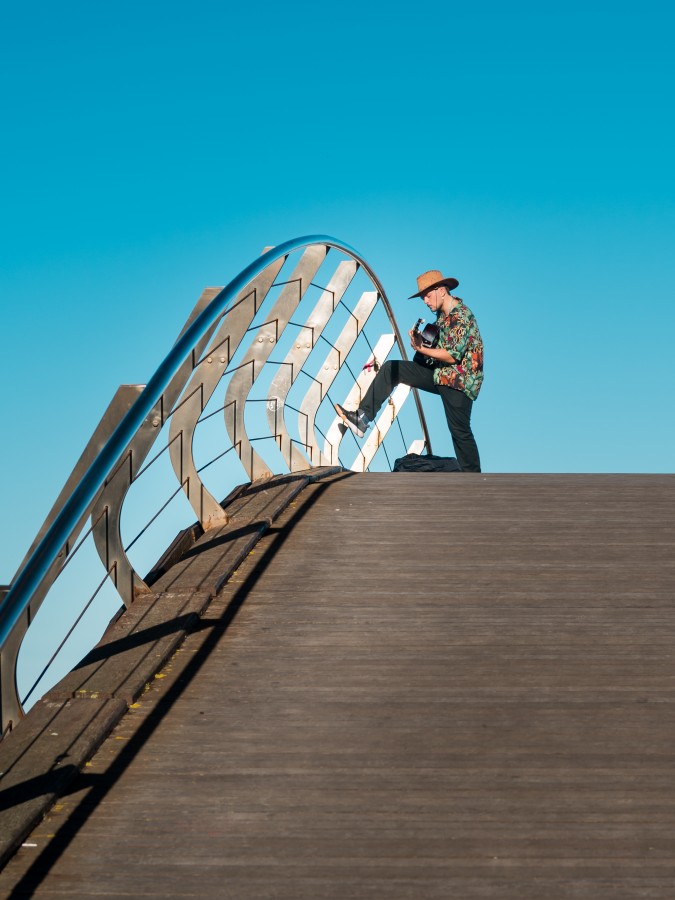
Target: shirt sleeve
[456, 338]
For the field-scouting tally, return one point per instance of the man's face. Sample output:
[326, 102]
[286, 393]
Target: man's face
[432, 298]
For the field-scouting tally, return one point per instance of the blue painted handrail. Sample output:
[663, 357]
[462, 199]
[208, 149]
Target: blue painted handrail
[39, 563]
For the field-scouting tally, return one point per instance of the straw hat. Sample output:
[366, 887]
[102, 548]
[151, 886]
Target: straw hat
[433, 279]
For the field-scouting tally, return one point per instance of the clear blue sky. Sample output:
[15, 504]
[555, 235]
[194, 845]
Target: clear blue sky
[150, 149]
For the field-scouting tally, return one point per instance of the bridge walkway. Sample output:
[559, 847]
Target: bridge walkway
[415, 686]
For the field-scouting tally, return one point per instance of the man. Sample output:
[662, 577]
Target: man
[452, 368]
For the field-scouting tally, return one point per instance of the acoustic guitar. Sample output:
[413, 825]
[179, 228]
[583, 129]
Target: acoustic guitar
[429, 339]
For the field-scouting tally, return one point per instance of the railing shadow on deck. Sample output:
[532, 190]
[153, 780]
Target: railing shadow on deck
[95, 787]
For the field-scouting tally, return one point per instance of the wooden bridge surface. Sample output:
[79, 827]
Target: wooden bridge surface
[416, 686]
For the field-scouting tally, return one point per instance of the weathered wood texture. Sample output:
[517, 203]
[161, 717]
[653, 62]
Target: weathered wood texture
[48, 747]
[416, 686]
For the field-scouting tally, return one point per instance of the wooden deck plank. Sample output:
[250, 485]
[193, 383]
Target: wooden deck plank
[416, 686]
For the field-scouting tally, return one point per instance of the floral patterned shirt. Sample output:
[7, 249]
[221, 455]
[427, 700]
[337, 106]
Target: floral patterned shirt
[459, 335]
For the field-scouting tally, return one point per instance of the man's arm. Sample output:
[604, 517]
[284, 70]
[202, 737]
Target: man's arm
[443, 356]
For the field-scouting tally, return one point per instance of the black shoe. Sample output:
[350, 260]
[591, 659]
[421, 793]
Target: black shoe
[354, 419]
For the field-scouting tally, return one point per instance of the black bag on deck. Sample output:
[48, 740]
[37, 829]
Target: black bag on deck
[413, 462]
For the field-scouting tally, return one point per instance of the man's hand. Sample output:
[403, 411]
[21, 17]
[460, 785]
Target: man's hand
[415, 339]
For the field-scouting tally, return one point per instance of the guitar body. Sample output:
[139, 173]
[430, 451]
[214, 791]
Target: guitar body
[429, 339]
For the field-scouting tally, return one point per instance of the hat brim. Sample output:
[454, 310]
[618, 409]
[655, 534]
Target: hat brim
[449, 283]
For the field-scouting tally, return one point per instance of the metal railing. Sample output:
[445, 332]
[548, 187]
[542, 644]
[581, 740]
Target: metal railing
[333, 326]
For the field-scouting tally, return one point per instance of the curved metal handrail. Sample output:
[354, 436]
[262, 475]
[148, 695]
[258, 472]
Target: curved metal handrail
[50, 547]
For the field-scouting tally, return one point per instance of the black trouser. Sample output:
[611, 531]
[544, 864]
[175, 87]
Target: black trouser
[456, 404]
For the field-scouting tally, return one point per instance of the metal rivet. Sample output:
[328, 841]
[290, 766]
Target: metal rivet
[156, 421]
[209, 359]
